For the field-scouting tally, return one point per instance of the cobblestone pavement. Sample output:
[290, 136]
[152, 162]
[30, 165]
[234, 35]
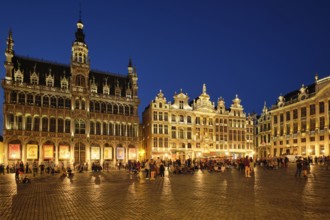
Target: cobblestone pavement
[270, 194]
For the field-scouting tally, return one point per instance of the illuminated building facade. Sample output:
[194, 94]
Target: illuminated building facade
[68, 113]
[196, 129]
[298, 123]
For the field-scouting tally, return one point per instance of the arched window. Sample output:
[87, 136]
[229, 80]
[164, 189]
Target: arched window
[92, 128]
[80, 80]
[121, 109]
[103, 108]
[115, 109]
[30, 99]
[109, 109]
[60, 126]
[21, 98]
[44, 124]
[67, 103]
[52, 127]
[83, 105]
[13, 97]
[37, 100]
[98, 128]
[28, 125]
[105, 128]
[36, 126]
[126, 110]
[67, 125]
[53, 102]
[60, 102]
[91, 106]
[77, 104]
[45, 101]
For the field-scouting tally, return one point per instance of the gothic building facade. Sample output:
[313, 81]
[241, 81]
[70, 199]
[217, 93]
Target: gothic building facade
[68, 113]
[196, 129]
[298, 123]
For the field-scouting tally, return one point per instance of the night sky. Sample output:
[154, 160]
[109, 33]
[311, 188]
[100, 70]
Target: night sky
[256, 49]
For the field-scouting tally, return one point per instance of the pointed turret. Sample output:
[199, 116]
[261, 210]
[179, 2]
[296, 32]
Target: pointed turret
[80, 64]
[79, 46]
[9, 53]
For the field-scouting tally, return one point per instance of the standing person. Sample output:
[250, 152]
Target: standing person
[247, 166]
[27, 167]
[251, 165]
[35, 168]
[299, 167]
[42, 168]
[2, 169]
[305, 166]
[161, 170]
[147, 169]
[152, 169]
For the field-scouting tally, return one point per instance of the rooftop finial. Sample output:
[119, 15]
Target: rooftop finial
[204, 88]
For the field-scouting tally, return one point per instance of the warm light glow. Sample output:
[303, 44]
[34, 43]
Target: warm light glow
[227, 153]
[13, 155]
[199, 154]
[141, 152]
[166, 155]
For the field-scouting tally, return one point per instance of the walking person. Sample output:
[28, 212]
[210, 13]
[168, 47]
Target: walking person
[161, 170]
[247, 166]
[299, 167]
[147, 169]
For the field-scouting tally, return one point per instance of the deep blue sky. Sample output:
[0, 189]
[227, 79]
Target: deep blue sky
[256, 49]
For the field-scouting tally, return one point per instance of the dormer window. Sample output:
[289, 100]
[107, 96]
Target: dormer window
[19, 76]
[34, 79]
[64, 83]
[94, 88]
[128, 93]
[106, 90]
[50, 80]
[117, 90]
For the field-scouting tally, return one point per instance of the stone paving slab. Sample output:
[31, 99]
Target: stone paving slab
[269, 194]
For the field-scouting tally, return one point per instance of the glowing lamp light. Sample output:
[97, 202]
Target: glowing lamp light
[166, 155]
[94, 156]
[13, 155]
[199, 154]
[67, 155]
[227, 153]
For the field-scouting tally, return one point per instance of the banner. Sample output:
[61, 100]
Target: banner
[95, 153]
[108, 153]
[48, 151]
[32, 151]
[64, 152]
[14, 151]
[120, 153]
[131, 153]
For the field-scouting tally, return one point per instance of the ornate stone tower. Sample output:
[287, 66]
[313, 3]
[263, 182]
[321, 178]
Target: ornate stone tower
[80, 64]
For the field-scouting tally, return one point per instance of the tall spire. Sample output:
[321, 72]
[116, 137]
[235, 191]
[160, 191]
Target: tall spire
[80, 36]
[10, 43]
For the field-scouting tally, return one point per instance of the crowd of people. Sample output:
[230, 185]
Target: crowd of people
[156, 167]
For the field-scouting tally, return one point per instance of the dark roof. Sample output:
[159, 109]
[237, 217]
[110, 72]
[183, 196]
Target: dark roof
[294, 94]
[58, 70]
